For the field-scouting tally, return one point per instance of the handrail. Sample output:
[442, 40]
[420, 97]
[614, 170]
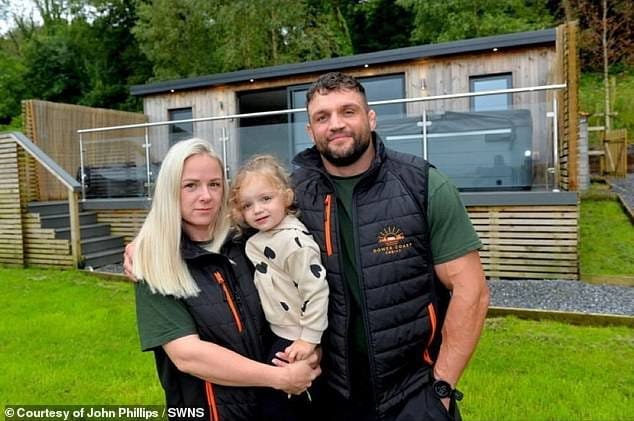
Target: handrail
[73, 188]
[297, 110]
[41, 157]
[232, 117]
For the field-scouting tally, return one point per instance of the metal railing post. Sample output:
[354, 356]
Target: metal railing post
[148, 171]
[556, 144]
[223, 142]
[424, 131]
[82, 174]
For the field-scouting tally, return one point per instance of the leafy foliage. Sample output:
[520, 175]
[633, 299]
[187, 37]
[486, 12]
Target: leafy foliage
[194, 37]
[12, 86]
[619, 37]
[89, 51]
[449, 20]
[377, 25]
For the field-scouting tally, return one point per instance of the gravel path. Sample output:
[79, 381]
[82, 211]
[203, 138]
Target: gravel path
[573, 296]
[546, 295]
[624, 187]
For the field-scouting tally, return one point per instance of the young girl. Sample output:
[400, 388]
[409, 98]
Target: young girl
[289, 276]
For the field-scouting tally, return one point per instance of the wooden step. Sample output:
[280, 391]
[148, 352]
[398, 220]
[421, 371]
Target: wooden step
[63, 220]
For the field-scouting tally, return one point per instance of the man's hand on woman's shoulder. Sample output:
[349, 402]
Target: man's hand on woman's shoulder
[127, 261]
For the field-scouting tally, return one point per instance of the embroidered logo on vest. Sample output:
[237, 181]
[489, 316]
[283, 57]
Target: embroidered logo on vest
[391, 240]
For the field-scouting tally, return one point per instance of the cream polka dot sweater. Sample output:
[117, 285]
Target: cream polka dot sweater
[291, 280]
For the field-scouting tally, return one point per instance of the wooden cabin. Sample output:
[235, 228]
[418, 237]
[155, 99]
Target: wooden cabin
[512, 153]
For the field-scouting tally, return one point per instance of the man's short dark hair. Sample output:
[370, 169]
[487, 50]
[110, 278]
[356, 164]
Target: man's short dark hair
[334, 81]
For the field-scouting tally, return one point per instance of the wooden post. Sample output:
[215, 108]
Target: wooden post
[75, 238]
[573, 103]
[606, 82]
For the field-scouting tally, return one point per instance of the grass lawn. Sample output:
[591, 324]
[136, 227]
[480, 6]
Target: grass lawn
[70, 338]
[606, 245]
[528, 370]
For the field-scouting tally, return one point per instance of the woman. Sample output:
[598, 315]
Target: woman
[197, 307]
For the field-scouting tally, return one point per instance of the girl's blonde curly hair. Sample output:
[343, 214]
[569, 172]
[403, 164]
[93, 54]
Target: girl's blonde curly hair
[263, 166]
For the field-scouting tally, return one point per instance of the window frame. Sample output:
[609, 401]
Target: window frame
[508, 76]
[173, 136]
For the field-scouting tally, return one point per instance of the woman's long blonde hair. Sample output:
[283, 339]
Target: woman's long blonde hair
[157, 257]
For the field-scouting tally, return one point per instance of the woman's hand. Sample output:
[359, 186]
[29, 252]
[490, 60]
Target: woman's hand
[298, 377]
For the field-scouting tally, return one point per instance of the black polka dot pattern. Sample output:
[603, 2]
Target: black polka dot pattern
[298, 243]
[316, 270]
[284, 305]
[304, 305]
[269, 253]
[261, 267]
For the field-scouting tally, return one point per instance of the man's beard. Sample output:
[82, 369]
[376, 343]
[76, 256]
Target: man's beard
[348, 157]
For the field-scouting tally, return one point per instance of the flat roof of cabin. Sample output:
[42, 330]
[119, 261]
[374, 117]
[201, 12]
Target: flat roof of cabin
[519, 39]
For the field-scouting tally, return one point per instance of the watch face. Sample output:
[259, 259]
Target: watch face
[442, 389]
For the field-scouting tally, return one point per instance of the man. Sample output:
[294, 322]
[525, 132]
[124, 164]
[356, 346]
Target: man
[408, 295]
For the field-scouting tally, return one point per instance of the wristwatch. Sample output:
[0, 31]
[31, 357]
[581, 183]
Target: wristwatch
[442, 390]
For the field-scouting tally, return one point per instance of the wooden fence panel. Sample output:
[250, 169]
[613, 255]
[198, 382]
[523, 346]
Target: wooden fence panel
[53, 127]
[533, 242]
[615, 152]
[11, 246]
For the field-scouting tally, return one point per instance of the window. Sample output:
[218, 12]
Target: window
[490, 83]
[265, 134]
[180, 131]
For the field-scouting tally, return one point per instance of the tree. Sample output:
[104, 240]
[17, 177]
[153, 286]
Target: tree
[184, 38]
[12, 87]
[449, 20]
[619, 32]
[377, 25]
[113, 58]
[82, 52]
[54, 64]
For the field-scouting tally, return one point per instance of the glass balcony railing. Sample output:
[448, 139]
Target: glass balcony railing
[511, 149]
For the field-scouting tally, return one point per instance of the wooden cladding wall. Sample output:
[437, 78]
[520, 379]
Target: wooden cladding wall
[42, 249]
[53, 127]
[124, 222]
[22, 240]
[11, 249]
[534, 242]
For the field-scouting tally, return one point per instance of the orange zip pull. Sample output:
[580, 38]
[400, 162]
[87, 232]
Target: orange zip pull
[432, 321]
[232, 305]
[327, 223]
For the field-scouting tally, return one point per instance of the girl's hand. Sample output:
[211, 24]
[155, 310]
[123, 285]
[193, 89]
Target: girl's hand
[299, 350]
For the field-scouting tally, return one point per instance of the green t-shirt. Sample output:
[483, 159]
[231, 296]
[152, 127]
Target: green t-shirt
[452, 235]
[160, 318]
